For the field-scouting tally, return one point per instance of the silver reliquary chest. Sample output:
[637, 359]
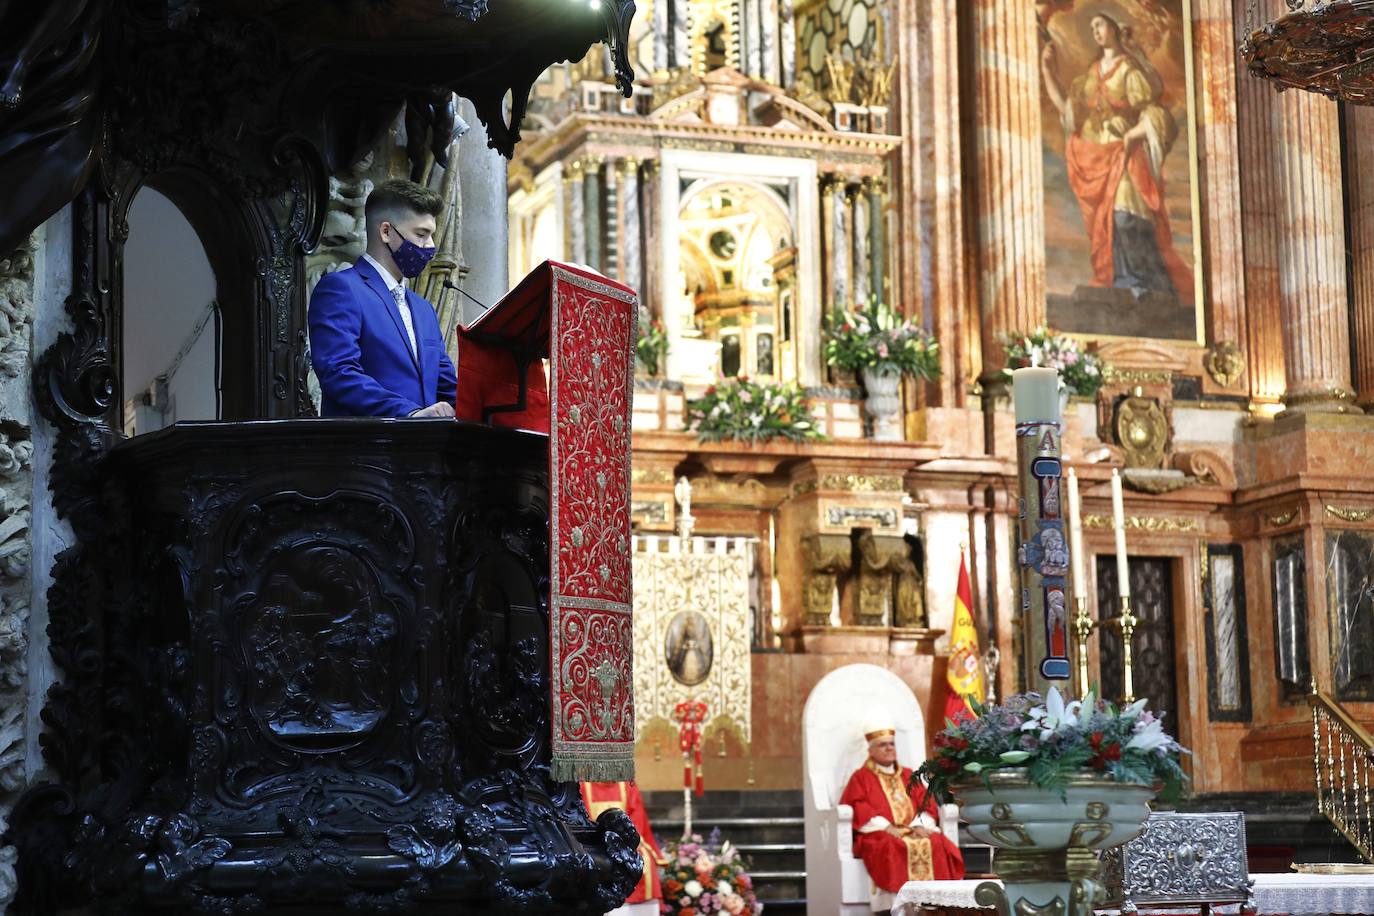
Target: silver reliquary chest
[1195, 859]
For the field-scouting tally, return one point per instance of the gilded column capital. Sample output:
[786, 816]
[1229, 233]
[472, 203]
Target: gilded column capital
[829, 181]
[627, 165]
[851, 192]
[875, 184]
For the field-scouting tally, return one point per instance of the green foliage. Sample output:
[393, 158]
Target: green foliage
[651, 345]
[1052, 741]
[877, 337]
[752, 412]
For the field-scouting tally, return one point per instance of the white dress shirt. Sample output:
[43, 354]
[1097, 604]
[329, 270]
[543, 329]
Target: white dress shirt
[397, 290]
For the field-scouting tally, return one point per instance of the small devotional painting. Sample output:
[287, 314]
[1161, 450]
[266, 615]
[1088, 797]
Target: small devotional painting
[1121, 203]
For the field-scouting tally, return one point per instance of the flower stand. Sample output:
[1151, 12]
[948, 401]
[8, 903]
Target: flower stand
[1046, 840]
[884, 402]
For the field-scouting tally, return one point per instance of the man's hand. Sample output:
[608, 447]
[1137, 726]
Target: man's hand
[441, 409]
[920, 833]
[896, 831]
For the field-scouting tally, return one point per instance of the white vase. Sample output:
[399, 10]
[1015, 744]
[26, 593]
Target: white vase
[884, 402]
[1046, 840]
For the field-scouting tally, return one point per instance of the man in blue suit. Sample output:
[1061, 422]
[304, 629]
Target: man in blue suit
[375, 345]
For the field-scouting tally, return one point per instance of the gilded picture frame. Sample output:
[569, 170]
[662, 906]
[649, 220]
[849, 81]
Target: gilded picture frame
[1122, 205]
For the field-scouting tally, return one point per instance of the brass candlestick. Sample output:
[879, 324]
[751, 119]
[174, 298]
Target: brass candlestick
[1127, 621]
[1083, 626]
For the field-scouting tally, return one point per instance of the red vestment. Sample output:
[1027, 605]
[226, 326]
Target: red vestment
[602, 796]
[892, 861]
[1095, 171]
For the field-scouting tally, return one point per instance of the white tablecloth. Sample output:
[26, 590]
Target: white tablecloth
[1294, 894]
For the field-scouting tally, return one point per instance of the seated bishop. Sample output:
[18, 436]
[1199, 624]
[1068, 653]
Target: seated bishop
[895, 829]
[600, 796]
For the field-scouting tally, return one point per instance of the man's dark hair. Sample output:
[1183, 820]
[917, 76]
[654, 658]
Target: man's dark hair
[396, 199]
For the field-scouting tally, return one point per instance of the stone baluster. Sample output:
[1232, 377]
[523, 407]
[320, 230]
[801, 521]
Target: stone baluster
[1359, 178]
[1009, 189]
[1312, 293]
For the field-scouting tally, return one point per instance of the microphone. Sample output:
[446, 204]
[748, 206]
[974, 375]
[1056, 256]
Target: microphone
[448, 284]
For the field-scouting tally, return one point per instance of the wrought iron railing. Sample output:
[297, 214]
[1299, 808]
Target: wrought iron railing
[1343, 757]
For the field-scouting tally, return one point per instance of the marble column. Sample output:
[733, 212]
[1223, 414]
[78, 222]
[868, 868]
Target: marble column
[1009, 187]
[927, 194]
[1215, 28]
[830, 238]
[768, 40]
[862, 267]
[844, 245]
[681, 54]
[787, 62]
[631, 257]
[1359, 181]
[651, 222]
[1312, 280]
[613, 222]
[593, 215]
[577, 221]
[482, 223]
[663, 36]
[877, 240]
[1261, 215]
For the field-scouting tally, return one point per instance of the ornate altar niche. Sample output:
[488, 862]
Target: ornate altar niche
[323, 684]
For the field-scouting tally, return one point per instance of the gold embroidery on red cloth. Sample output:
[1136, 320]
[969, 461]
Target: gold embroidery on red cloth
[903, 811]
[919, 864]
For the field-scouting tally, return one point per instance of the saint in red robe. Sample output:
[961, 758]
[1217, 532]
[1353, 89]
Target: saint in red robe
[893, 861]
[602, 796]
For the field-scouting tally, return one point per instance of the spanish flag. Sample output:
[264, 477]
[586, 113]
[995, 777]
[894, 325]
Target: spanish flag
[965, 662]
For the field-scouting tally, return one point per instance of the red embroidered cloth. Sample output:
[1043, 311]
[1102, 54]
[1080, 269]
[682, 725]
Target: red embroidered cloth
[584, 324]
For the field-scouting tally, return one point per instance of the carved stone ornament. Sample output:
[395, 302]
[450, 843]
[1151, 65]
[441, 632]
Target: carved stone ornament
[1180, 860]
[824, 558]
[1224, 363]
[1142, 431]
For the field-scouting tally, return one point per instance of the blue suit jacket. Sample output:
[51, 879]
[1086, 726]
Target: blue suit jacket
[361, 354]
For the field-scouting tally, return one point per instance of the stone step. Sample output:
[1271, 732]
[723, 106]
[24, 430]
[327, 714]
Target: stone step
[774, 856]
[779, 885]
[738, 830]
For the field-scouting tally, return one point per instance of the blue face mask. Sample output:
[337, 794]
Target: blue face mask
[410, 258]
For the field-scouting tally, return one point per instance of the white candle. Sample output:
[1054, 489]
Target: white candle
[1076, 558]
[1035, 392]
[1123, 572]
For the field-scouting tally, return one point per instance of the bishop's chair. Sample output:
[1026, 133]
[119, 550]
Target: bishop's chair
[833, 747]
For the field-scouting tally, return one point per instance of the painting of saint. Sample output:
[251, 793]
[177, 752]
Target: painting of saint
[688, 648]
[1119, 202]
